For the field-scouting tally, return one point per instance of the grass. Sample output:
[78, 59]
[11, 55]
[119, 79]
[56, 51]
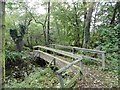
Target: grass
[40, 78]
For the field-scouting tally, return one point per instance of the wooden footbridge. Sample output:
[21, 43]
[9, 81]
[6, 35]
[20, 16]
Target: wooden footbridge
[68, 57]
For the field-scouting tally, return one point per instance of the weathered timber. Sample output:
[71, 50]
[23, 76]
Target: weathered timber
[78, 58]
[73, 51]
[61, 80]
[54, 61]
[73, 80]
[91, 58]
[81, 66]
[89, 50]
[85, 50]
[83, 55]
[103, 61]
[78, 48]
[56, 58]
[68, 66]
[59, 52]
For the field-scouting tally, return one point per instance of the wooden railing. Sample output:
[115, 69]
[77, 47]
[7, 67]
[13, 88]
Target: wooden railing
[102, 53]
[77, 59]
[77, 48]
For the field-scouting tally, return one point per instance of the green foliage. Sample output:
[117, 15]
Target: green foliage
[64, 18]
[13, 58]
[109, 41]
[40, 78]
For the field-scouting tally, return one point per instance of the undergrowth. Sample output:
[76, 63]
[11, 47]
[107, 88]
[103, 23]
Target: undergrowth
[39, 78]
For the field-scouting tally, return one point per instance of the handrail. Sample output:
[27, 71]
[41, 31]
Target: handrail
[56, 58]
[59, 72]
[60, 52]
[77, 57]
[72, 55]
[68, 66]
[86, 50]
[78, 48]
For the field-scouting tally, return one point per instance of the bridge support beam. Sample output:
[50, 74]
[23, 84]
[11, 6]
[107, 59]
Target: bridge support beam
[103, 61]
[61, 80]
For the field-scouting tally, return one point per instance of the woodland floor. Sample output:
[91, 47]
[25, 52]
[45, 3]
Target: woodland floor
[39, 77]
[95, 78]
[46, 78]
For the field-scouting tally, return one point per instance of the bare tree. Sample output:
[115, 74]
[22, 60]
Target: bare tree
[48, 26]
[2, 33]
[87, 25]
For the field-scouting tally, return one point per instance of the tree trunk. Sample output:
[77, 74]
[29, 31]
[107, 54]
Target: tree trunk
[87, 26]
[77, 29]
[48, 26]
[19, 44]
[114, 13]
[2, 48]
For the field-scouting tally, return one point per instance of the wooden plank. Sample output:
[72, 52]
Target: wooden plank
[91, 58]
[103, 61]
[89, 50]
[78, 48]
[81, 66]
[61, 80]
[73, 80]
[68, 66]
[75, 56]
[60, 52]
[86, 50]
[56, 58]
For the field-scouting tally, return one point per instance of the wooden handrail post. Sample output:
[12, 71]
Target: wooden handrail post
[103, 61]
[81, 69]
[61, 80]
[54, 61]
[81, 66]
[73, 51]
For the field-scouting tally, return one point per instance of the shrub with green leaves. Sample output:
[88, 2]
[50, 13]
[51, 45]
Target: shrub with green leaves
[109, 41]
[40, 78]
[13, 58]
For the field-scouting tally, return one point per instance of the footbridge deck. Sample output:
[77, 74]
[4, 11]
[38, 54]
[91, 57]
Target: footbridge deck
[73, 61]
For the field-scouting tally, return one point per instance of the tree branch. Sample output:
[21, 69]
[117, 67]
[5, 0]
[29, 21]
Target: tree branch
[35, 19]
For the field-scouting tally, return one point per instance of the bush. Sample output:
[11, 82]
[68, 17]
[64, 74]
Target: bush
[109, 42]
[13, 58]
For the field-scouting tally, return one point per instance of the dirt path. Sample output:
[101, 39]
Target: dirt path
[96, 78]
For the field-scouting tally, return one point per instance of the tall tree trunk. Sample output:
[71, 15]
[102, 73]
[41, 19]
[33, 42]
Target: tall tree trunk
[58, 32]
[77, 29]
[44, 29]
[114, 13]
[87, 26]
[48, 26]
[85, 13]
[118, 6]
[2, 48]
